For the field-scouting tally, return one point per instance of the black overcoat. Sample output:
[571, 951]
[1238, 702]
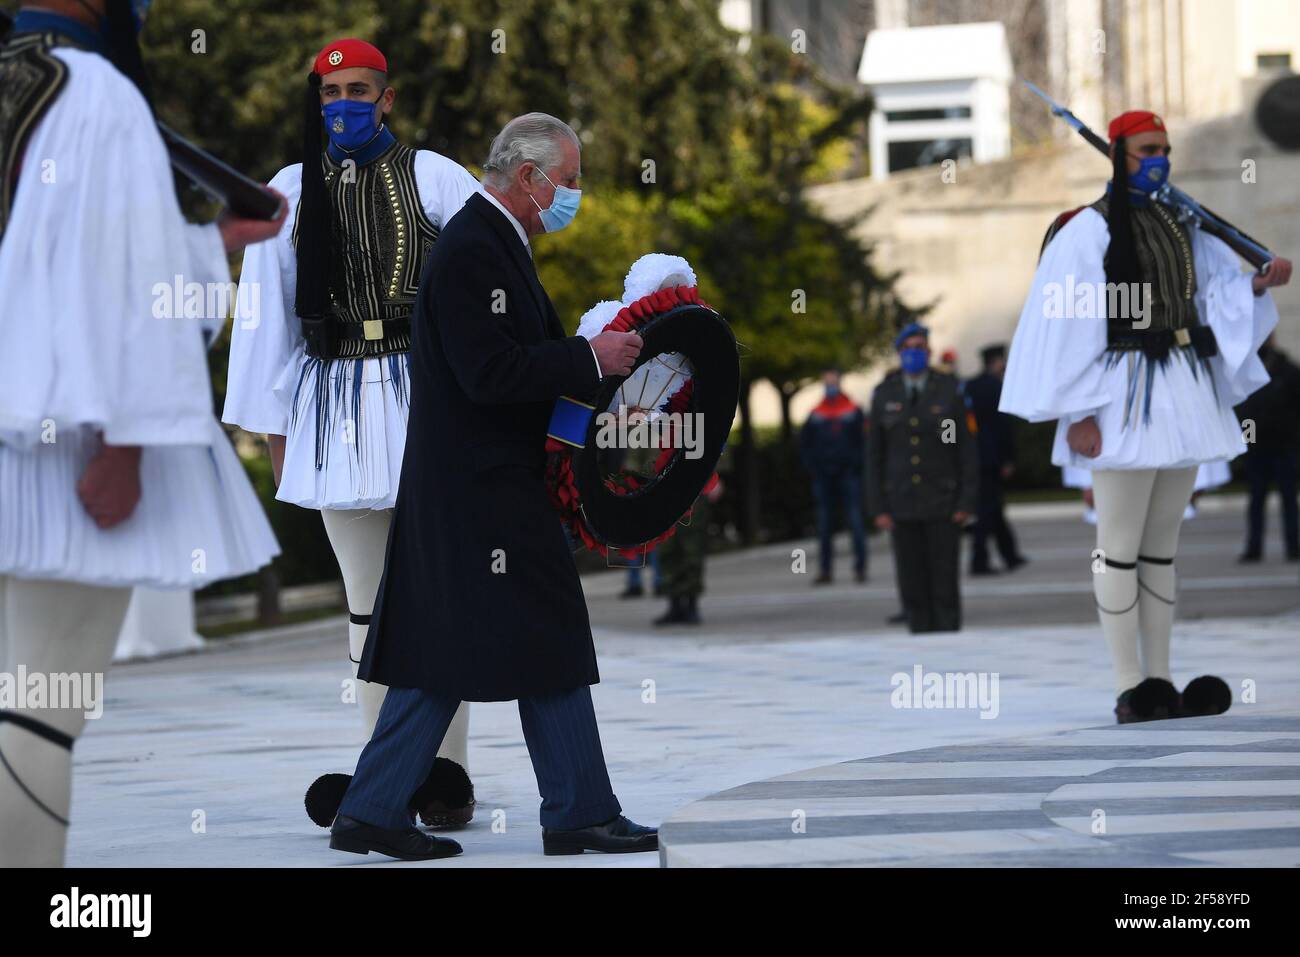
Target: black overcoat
[480, 597]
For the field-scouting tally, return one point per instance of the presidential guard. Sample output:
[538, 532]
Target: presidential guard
[114, 472]
[995, 441]
[922, 476]
[322, 368]
[1141, 378]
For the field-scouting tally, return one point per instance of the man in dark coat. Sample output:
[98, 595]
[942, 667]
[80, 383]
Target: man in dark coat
[830, 446]
[480, 599]
[1273, 416]
[993, 440]
[921, 480]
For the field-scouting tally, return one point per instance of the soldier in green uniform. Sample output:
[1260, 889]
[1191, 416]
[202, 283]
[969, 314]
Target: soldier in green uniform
[922, 480]
[681, 559]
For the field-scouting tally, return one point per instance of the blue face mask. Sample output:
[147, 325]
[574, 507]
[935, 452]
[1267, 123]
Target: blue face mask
[562, 209]
[913, 360]
[351, 124]
[1153, 172]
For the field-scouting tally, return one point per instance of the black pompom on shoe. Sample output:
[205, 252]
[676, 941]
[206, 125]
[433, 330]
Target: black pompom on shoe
[1206, 695]
[446, 798]
[324, 797]
[1154, 700]
[1124, 713]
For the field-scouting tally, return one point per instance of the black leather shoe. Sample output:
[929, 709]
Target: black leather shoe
[617, 836]
[405, 844]
[899, 618]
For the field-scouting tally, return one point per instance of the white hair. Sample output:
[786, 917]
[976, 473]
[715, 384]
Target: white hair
[532, 138]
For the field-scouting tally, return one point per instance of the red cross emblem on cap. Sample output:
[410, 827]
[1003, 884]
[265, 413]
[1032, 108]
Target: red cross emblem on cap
[357, 53]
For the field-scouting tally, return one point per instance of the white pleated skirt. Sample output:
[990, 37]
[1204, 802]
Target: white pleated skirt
[347, 432]
[198, 519]
[1183, 419]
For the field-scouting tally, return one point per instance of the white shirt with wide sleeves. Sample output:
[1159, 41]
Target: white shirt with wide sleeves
[1059, 367]
[96, 344]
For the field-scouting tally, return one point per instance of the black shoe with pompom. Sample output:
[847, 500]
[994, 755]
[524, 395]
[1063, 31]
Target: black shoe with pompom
[1154, 700]
[444, 800]
[1206, 695]
[324, 797]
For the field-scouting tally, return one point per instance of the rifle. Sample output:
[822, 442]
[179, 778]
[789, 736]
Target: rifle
[243, 196]
[1186, 209]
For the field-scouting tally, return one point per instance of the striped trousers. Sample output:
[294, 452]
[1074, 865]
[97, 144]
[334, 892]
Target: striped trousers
[559, 729]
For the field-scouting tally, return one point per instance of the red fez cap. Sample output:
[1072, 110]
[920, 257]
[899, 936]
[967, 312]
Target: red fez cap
[344, 54]
[1134, 122]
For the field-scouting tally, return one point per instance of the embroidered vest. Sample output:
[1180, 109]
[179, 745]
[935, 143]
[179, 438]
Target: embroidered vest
[31, 78]
[1164, 252]
[382, 239]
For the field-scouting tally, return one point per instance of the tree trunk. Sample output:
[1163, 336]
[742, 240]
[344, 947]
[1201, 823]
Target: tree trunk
[268, 595]
[787, 427]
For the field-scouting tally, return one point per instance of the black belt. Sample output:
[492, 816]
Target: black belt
[1158, 343]
[324, 335]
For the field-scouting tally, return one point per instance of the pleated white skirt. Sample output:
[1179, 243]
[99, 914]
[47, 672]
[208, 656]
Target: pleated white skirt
[198, 519]
[347, 433]
[1182, 419]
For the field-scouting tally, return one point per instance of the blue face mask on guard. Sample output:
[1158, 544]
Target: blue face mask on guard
[1153, 172]
[351, 124]
[913, 360]
[562, 209]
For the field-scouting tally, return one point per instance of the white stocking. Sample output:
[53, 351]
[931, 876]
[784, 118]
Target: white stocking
[1121, 499]
[49, 628]
[359, 538]
[1157, 580]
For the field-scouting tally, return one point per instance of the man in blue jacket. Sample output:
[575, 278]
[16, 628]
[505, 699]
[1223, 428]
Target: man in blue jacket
[831, 445]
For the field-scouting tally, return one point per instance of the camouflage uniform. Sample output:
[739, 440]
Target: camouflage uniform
[682, 557]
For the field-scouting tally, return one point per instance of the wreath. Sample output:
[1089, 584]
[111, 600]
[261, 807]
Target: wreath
[671, 315]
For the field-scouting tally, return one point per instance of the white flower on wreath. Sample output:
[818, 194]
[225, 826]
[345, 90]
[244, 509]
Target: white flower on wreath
[659, 379]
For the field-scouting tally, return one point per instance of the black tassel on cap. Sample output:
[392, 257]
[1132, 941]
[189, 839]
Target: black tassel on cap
[315, 222]
[124, 46]
[1121, 253]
